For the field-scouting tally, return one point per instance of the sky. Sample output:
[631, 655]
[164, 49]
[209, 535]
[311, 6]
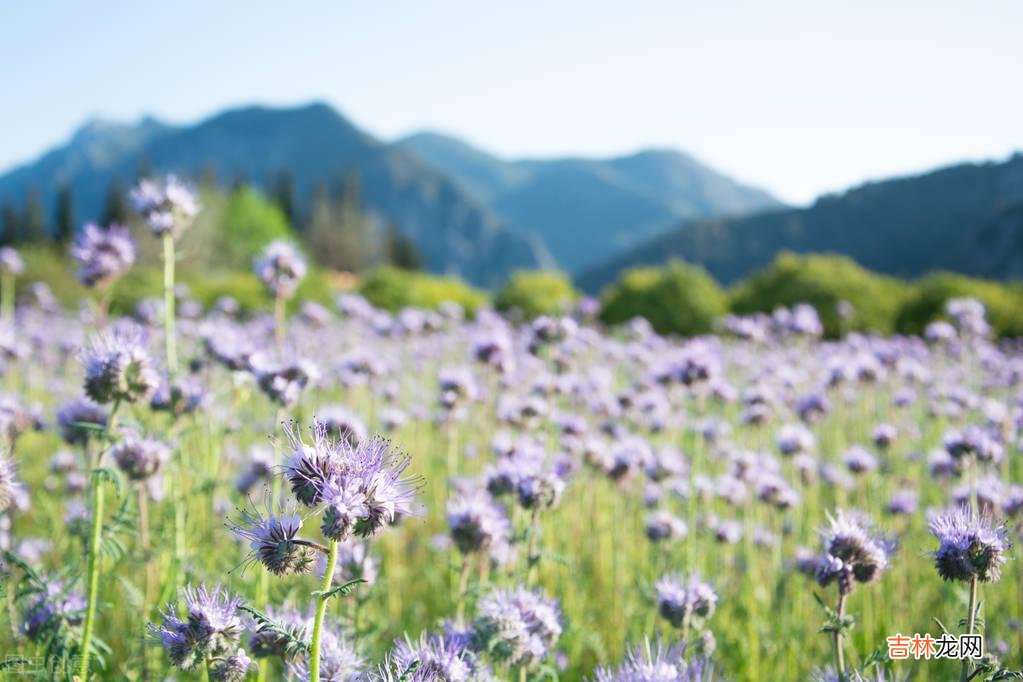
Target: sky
[801, 97]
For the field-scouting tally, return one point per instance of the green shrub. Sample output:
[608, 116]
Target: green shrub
[249, 222]
[928, 297]
[676, 299]
[823, 281]
[536, 292]
[393, 289]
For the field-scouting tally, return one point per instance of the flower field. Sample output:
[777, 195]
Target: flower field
[350, 494]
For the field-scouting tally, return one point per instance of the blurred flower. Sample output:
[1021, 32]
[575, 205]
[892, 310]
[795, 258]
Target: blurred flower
[102, 254]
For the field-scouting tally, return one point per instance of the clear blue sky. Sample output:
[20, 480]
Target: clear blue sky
[801, 97]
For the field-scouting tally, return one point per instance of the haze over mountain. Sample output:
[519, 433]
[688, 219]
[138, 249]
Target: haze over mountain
[587, 210]
[468, 212]
[315, 144]
[966, 218]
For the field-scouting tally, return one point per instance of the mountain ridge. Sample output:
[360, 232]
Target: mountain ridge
[965, 217]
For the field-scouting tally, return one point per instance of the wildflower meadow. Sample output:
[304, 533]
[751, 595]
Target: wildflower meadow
[345, 493]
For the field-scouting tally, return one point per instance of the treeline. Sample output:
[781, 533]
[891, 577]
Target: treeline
[330, 222]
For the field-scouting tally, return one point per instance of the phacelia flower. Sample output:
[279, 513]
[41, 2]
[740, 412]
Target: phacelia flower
[517, 626]
[853, 552]
[167, 206]
[274, 542]
[10, 261]
[969, 546]
[209, 627]
[102, 254]
[658, 663]
[280, 267]
[118, 368]
[477, 522]
[684, 602]
[140, 458]
[10, 488]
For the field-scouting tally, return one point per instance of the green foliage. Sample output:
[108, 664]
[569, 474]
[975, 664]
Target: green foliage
[823, 281]
[249, 222]
[536, 292]
[676, 299]
[926, 302]
[394, 289]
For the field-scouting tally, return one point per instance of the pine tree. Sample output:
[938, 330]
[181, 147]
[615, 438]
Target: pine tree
[33, 227]
[115, 204]
[400, 251]
[64, 216]
[284, 197]
[10, 224]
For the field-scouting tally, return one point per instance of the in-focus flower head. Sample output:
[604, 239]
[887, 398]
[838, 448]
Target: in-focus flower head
[208, 627]
[853, 551]
[102, 254]
[273, 540]
[168, 206]
[969, 545]
[118, 367]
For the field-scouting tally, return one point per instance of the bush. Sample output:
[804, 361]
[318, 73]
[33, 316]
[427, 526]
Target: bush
[536, 292]
[929, 295]
[676, 299]
[393, 289]
[249, 222]
[823, 281]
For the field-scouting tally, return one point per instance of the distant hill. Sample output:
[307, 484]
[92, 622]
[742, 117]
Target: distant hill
[455, 232]
[966, 218]
[587, 210]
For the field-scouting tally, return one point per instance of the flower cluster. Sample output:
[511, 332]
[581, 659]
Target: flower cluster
[280, 267]
[969, 546]
[167, 206]
[118, 368]
[208, 628]
[853, 552]
[517, 626]
[102, 254]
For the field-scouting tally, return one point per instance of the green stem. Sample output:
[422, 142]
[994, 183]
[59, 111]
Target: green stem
[93, 566]
[837, 635]
[168, 303]
[7, 295]
[279, 320]
[971, 621]
[321, 609]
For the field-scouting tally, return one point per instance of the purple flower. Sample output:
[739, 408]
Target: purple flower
[853, 552]
[167, 206]
[517, 626]
[477, 522]
[274, 542]
[51, 610]
[118, 367]
[138, 458]
[969, 546]
[973, 441]
[209, 627]
[10, 488]
[102, 254]
[10, 261]
[685, 601]
[659, 664]
[280, 267]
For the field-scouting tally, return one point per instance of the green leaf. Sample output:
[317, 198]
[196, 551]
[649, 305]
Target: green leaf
[343, 590]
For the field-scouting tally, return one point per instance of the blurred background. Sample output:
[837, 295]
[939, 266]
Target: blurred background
[677, 160]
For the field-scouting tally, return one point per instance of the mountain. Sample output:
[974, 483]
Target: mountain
[454, 231]
[588, 210]
[966, 218]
